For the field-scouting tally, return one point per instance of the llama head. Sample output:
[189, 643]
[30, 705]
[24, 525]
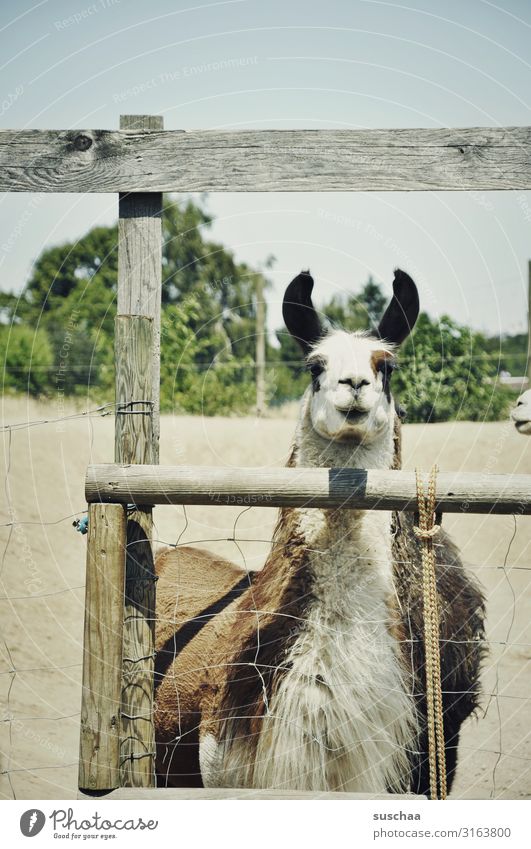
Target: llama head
[521, 414]
[350, 372]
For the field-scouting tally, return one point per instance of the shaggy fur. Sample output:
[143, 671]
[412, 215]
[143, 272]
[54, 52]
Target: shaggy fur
[462, 616]
[310, 673]
[191, 581]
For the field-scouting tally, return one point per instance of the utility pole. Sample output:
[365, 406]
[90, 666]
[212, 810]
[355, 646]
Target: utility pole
[260, 346]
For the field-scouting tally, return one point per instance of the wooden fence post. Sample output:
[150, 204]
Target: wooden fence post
[137, 348]
[99, 749]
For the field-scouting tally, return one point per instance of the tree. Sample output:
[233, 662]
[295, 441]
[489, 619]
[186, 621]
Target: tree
[78, 275]
[446, 373]
[223, 289]
[59, 334]
[26, 360]
[71, 294]
[286, 375]
[509, 352]
[221, 386]
[70, 297]
[374, 300]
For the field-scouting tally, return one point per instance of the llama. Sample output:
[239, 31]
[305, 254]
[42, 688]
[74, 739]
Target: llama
[521, 414]
[309, 674]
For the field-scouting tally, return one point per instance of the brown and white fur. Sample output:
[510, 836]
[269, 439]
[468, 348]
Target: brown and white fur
[308, 675]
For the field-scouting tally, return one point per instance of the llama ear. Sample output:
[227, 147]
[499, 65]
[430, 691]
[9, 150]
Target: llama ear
[299, 313]
[400, 316]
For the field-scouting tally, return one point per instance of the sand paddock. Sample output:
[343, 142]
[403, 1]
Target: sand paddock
[43, 564]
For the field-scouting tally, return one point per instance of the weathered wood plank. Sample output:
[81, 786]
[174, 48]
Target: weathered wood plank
[457, 492]
[126, 793]
[137, 344]
[140, 263]
[137, 729]
[133, 342]
[490, 158]
[133, 444]
[140, 233]
[99, 750]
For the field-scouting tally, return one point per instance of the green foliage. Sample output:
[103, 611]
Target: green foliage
[26, 360]
[208, 318]
[223, 289]
[510, 353]
[356, 312]
[61, 332]
[286, 376]
[220, 389]
[70, 296]
[190, 384]
[446, 373]
[75, 277]
[374, 300]
[285, 383]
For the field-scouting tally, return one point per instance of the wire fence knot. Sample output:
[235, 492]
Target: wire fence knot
[426, 533]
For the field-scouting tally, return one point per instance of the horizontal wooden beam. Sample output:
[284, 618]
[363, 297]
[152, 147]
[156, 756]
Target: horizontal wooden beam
[184, 793]
[304, 487]
[480, 159]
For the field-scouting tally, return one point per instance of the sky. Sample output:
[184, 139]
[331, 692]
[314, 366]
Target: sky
[249, 64]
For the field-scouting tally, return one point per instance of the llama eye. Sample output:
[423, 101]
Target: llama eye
[385, 367]
[315, 370]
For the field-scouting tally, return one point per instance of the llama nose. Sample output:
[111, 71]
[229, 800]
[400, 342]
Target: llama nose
[355, 385]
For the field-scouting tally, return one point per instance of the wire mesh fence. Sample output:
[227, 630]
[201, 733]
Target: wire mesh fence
[42, 598]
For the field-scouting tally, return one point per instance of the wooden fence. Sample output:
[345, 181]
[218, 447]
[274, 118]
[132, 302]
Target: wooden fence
[140, 161]
[371, 489]
[141, 157]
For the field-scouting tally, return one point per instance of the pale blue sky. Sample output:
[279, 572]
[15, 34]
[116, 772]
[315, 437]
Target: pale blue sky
[246, 63]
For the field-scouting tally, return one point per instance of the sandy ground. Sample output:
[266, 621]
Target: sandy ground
[43, 560]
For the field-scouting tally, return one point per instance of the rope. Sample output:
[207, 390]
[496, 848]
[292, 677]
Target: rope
[429, 523]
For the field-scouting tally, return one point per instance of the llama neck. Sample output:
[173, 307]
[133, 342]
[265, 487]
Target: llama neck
[345, 533]
[352, 547]
[344, 677]
[331, 691]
